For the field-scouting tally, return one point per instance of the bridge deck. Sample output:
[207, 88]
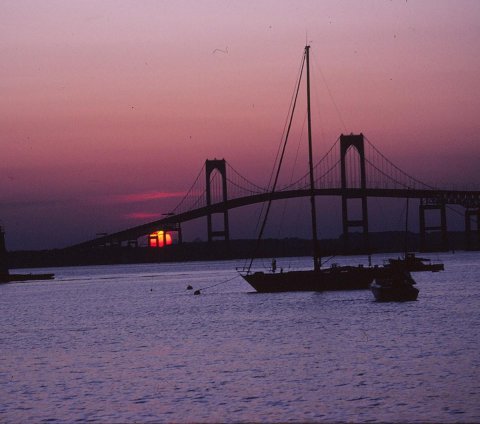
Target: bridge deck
[468, 199]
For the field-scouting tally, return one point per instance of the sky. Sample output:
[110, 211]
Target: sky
[109, 108]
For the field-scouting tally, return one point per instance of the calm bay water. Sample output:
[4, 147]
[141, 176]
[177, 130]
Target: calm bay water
[131, 344]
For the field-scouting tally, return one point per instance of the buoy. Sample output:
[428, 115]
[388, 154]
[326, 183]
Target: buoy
[189, 287]
[196, 292]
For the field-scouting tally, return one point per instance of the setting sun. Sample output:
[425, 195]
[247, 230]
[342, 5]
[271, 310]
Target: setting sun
[159, 239]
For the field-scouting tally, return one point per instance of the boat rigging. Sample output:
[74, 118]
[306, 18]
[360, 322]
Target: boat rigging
[319, 279]
[333, 278]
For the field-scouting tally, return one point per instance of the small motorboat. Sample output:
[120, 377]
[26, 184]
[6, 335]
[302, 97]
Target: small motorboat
[397, 286]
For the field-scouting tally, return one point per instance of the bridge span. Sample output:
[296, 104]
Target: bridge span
[366, 174]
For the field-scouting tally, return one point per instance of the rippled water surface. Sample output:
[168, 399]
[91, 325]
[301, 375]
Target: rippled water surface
[131, 344]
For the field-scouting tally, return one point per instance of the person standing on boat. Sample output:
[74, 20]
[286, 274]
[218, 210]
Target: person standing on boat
[274, 265]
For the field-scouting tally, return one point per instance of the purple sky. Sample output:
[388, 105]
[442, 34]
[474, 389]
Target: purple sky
[108, 109]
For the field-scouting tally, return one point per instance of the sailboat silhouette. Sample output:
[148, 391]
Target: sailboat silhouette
[317, 279]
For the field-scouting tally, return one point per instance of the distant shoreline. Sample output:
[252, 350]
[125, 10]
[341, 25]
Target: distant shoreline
[385, 242]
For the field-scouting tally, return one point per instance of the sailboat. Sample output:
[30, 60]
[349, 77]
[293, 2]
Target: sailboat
[318, 278]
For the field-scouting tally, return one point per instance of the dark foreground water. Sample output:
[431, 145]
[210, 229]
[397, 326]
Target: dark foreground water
[130, 344]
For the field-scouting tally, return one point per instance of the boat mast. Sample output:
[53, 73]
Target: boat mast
[316, 256]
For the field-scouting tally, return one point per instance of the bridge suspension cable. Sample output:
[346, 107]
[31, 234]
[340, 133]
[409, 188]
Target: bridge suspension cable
[380, 173]
[194, 195]
[384, 171]
[324, 168]
[241, 182]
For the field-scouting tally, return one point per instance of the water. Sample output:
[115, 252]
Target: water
[130, 344]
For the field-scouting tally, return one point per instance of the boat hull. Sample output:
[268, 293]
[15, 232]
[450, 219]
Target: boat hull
[8, 278]
[336, 278]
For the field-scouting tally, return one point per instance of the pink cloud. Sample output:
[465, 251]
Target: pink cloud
[142, 215]
[144, 197]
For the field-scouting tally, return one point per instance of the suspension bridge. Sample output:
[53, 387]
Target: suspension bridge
[366, 174]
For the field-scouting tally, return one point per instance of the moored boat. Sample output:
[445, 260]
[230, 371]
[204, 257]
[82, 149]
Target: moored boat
[318, 279]
[334, 278]
[10, 278]
[6, 277]
[398, 286]
[350, 277]
[413, 263]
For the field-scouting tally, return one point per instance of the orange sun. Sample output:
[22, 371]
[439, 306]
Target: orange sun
[158, 239]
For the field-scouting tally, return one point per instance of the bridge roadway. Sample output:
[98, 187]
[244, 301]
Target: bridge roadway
[467, 199]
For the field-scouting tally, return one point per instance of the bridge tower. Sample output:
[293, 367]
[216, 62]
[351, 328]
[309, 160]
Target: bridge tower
[469, 231]
[346, 142]
[433, 205]
[220, 166]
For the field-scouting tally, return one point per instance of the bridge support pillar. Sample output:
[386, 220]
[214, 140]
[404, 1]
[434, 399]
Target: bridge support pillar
[424, 228]
[348, 193]
[3, 254]
[179, 232]
[472, 244]
[220, 166]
